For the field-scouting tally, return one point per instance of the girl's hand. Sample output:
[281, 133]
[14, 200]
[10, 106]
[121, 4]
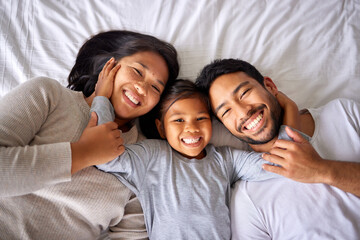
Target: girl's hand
[105, 84]
[284, 100]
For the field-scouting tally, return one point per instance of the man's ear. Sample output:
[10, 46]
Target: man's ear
[270, 86]
[160, 128]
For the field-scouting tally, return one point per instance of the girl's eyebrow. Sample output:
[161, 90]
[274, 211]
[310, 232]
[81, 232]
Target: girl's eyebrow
[146, 67]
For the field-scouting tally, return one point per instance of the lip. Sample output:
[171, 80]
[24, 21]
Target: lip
[128, 101]
[258, 126]
[192, 145]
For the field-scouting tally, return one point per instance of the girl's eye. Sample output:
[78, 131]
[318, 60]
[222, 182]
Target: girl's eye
[178, 120]
[202, 118]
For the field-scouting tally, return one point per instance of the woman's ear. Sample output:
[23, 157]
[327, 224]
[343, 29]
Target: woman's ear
[270, 86]
[160, 128]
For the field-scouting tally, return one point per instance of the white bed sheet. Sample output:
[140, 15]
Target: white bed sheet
[311, 49]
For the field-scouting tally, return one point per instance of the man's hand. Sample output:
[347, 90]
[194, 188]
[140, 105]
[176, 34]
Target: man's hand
[299, 160]
[97, 145]
[105, 83]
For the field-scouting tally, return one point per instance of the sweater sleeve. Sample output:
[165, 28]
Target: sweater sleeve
[25, 166]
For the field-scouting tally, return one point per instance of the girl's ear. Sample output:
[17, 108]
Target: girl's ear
[160, 128]
[270, 86]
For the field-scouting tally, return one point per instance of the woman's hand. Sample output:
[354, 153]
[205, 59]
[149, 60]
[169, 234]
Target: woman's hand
[97, 145]
[105, 84]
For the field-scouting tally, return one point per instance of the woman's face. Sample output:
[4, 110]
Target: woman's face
[138, 84]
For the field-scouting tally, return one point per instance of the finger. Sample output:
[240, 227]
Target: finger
[280, 152]
[112, 125]
[117, 133]
[284, 144]
[273, 159]
[295, 135]
[114, 70]
[274, 169]
[93, 120]
[121, 149]
[109, 65]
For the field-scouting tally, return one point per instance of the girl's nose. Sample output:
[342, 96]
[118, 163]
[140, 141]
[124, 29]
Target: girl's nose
[191, 127]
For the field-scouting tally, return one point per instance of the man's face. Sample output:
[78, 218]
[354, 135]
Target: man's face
[250, 111]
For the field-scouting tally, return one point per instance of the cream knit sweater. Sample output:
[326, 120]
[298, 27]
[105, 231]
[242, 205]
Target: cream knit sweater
[38, 120]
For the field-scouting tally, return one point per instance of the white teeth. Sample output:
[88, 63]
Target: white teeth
[191, 140]
[255, 122]
[131, 98]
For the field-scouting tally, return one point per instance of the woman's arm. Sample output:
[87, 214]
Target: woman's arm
[25, 166]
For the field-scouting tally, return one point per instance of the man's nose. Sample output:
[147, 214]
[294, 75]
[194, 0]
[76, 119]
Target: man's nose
[242, 111]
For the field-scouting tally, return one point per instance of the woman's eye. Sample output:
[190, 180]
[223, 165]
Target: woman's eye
[156, 88]
[138, 72]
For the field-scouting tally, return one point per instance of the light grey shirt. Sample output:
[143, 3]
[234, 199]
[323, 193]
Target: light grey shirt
[182, 198]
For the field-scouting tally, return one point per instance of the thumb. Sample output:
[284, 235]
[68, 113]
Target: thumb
[295, 135]
[93, 120]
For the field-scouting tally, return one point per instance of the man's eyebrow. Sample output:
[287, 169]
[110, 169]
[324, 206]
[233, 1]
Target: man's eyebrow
[233, 93]
[239, 87]
[146, 67]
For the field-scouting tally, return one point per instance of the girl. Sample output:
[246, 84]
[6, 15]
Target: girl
[183, 183]
[43, 142]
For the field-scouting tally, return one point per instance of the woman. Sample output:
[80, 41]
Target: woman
[42, 142]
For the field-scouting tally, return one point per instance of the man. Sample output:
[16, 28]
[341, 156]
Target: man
[244, 101]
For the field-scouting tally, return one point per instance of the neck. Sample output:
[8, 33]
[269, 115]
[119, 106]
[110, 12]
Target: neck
[123, 124]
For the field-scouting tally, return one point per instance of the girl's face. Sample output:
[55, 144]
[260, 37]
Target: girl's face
[187, 127]
[138, 85]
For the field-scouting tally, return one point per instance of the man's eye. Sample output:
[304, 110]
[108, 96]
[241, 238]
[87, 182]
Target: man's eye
[245, 92]
[226, 111]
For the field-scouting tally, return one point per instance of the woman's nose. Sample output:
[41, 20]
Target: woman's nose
[141, 88]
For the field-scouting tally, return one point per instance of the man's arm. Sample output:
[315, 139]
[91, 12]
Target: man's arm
[300, 162]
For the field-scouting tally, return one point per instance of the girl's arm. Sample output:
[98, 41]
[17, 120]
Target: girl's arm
[291, 112]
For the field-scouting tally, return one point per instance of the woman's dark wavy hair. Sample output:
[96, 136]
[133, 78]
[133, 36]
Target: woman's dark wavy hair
[224, 66]
[173, 92]
[97, 50]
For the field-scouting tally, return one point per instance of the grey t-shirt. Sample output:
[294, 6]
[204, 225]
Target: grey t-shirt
[182, 198]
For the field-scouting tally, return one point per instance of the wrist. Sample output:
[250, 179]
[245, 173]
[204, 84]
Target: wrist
[78, 158]
[326, 173]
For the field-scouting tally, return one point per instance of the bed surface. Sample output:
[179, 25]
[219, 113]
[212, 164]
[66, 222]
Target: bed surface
[311, 49]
